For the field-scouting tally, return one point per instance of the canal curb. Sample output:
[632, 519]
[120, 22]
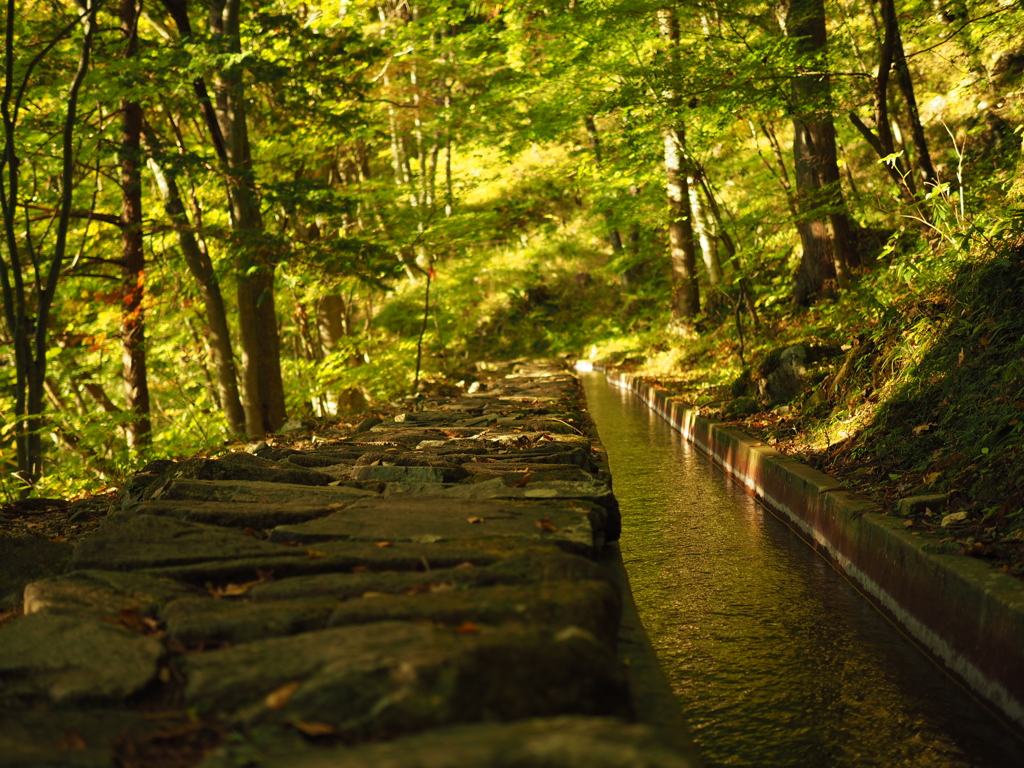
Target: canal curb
[965, 613]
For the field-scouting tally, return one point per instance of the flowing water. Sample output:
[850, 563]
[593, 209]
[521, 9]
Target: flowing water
[776, 659]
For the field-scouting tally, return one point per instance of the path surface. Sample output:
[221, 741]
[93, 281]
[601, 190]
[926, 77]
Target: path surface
[420, 592]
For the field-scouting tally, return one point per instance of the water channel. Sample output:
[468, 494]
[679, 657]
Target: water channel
[775, 658]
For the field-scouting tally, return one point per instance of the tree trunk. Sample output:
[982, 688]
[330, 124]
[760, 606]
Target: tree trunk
[201, 267]
[823, 223]
[28, 333]
[254, 267]
[685, 292]
[133, 260]
[614, 238]
[706, 236]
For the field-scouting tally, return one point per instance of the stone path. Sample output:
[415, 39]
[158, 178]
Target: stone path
[429, 591]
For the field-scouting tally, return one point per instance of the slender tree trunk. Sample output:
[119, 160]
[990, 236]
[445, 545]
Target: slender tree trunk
[254, 266]
[201, 267]
[133, 260]
[28, 333]
[614, 238]
[706, 236]
[906, 84]
[685, 291]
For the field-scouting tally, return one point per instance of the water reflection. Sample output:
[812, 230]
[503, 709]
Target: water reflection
[776, 659]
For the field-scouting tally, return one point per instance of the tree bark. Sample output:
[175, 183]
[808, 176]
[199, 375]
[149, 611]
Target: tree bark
[201, 267]
[133, 260]
[826, 231]
[685, 291]
[614, 238]
[254, 266]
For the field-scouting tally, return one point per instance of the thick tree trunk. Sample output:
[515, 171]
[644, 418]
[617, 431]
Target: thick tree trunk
[824, 225]
[254, 267]
[685, 291]
[133, 260]
[683, 252]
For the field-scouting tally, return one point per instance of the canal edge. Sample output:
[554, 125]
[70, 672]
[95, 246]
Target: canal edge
[656, 704]
[962, 611]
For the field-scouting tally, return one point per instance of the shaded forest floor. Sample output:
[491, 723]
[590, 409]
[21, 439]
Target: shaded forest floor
[923, 397]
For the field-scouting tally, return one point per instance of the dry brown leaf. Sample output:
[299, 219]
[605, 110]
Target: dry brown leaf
[522, 481]
[374, 594]
[313, 728]
[360, 569]
[465, 565]
[474, 520]
[314, 554]
[467, 628]
[920, 429]
[237, 590]
[383, 544]
[545, 525]
[278, 698]
[931, 477]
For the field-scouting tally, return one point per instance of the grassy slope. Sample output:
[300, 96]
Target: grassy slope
[924, 394]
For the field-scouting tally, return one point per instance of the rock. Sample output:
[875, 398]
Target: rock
[23, 560]
[235, 466]
[395, 677]
[591, 605]
[367, 424]
[234, 514]
[916, 505]
[69, 658]
[399, 474]
[251, 492]
[586, 490]
[104, 593]
[575, 526]
[521, 567]
[559, 742]
[783, 378]
[145, 541]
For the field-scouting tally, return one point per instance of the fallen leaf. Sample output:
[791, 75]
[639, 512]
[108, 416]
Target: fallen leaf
[960, 357]
[545, 524]
[278, 698]
[467, 628]
[237, 590]
[954, 517]
[165, 675]
[931, 477]
[908, 523]
[383, 544]
[523, 481]
[465, 565]
[360, 569]
[314, 554]
[921, 429]
[474, 520]
[441, 587]
[374, 594]
[313, 728]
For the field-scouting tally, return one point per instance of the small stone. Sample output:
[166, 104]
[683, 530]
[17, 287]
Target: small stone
[917, 505]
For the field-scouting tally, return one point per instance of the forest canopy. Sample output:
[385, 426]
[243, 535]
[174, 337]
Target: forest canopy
[223, 218]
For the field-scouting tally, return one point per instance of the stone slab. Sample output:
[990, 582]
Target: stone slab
[591, 605]
[397, 677]
[560, 742]
[73, 658]
[254, 492]
[578, 528]
[104, 593]
[234, 514]
[132, 542]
